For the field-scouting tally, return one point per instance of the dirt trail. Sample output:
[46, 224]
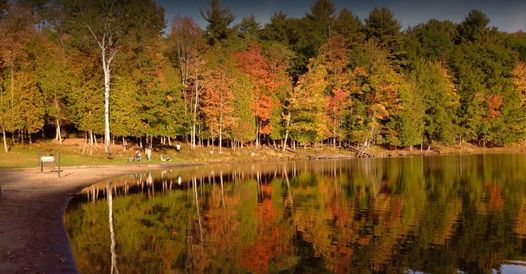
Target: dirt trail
[32, 204]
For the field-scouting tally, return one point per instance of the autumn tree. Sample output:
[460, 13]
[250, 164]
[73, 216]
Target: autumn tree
[188, 46]
[218, 103]
[334, 57]
[20, 99]
[307, 103]
[253, 63]
[109, 26]
[376, 97]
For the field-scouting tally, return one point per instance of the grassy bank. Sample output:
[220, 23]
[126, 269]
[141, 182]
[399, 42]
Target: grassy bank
[75, 153]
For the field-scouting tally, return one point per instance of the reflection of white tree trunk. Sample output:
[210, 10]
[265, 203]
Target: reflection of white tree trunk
[197, 207]
[112, 231]
[222, 189]
[289, 191]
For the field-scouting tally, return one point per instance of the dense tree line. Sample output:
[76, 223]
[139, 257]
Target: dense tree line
[109, 68]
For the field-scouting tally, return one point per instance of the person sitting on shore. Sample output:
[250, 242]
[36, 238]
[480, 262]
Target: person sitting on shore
[138, 156]
[165, 158]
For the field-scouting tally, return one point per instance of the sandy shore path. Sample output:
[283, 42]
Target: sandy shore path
[32, 204]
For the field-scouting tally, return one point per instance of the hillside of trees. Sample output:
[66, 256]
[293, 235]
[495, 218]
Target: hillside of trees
[114, 69]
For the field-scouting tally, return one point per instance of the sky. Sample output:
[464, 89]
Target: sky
[506, 15]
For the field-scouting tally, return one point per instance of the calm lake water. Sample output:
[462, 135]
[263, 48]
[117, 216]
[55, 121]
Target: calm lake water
[446, 214]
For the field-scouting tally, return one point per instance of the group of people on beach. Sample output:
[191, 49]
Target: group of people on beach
[138, 156]
[148, 153]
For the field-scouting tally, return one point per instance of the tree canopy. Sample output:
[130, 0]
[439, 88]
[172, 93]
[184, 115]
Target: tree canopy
[326, 77]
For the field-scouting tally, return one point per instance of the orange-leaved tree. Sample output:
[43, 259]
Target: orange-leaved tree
[218, 103]
[253, 62]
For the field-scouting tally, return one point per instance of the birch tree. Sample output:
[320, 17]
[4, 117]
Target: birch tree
[113, 26]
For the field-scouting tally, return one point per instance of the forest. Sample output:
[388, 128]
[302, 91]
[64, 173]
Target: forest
[117, 71]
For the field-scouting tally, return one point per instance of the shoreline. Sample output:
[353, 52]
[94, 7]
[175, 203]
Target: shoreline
[32, 234]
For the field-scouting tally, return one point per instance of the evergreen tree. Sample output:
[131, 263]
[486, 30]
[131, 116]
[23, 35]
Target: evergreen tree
[278, 29]
[433, 40]
[382, 27]
[249, 28]
[474, 27]
[218, 18]
[350, 27]
[322, 16]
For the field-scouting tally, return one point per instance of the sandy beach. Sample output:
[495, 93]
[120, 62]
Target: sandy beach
[32, 204]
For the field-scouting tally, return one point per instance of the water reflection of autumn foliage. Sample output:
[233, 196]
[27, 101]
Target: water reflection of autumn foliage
[437, 215]
[273, 239]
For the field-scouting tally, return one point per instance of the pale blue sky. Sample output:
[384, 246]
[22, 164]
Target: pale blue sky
[507, 15]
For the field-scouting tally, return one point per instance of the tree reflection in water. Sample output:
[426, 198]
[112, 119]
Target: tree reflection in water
[435, 214]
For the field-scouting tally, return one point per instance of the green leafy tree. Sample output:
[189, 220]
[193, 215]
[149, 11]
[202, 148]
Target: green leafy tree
[307, 103]
[439, 99]
[411, 116]
[376, 96]
[108, 27]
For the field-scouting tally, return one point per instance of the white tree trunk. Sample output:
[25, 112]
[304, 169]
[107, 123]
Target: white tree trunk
[257, 135]
[286, 133]
[6, 149]
[107, 52]
[194, 118]
[58, 135]
[220, 133]
[106, 106]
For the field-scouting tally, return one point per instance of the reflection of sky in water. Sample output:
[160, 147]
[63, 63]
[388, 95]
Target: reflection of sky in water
[517, 267]
[412, 215]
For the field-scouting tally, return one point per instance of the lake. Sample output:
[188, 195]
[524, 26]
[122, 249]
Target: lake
[441, 214]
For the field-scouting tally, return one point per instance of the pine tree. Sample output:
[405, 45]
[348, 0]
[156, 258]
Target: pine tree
[382, 27]
[218, 18]
[350, 27]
